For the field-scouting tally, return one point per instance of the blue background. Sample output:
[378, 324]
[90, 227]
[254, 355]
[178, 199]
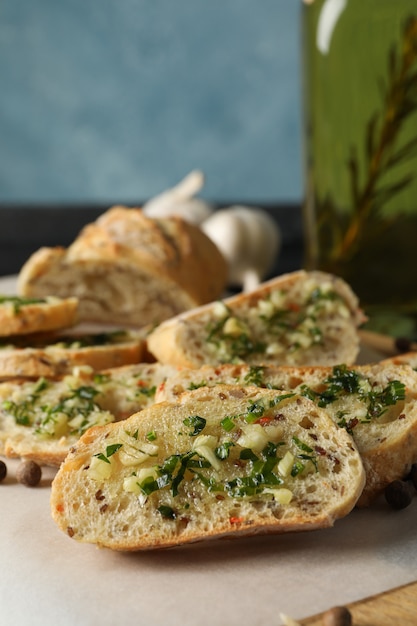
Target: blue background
[116, 100]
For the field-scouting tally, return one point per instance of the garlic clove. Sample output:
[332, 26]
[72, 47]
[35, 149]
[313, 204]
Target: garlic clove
[180, 201]
[249, 239]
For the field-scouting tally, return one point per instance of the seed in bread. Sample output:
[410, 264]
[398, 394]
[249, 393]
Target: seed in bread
[303, 318]
[221, 462]
[376, 404]
[41, 420]
[22, 316]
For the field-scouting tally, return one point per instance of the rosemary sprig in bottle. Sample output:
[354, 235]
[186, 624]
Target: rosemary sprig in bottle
[400, 98]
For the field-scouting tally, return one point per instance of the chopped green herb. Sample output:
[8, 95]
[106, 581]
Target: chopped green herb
[102, 457]
[248, 455]
[181, 471]
[222, 452]
[195, 422]
[146, 391]
[227, 424]
[193, 386]
[255, 376]
[254, 412]
[112, 449]
[300, 444]
[18, 302]
[281, 398]
[297, 468]
[100, 379]
[346, 381]
[74, 411]
[394, 392]
[234, 347]
[133, 435]
[85, 392]
[167, 512]
[21, 412]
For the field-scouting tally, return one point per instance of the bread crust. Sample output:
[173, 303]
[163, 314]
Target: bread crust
[120, 520]
[185, 341]
[387, 444]
[21, 316]
[127, 268]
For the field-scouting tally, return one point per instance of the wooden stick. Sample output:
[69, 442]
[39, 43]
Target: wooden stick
[389, 608]
[386, 344]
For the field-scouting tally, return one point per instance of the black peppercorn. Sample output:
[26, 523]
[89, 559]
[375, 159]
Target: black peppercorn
[398, 494]
[413, 475]
[3, 471]
[29, 473]
[403, 344]
[337, 616]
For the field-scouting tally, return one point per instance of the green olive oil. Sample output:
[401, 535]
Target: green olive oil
[360, 129]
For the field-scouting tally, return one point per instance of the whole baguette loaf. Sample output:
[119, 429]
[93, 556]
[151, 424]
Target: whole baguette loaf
[41, 420]
[302, 318]
[376, 404]
[23, 316]
[221, 462]
[54, 355]
[127, 268]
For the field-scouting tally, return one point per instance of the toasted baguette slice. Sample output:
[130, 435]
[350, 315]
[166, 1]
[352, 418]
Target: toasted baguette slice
[129, 269]
[224, 462]
[41, 420]
[56, 355]
[375, 403]
[22, 316]
[303, 318]
[407, 358]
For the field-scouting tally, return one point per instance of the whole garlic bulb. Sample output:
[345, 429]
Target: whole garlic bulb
[180, 200]
[249, 239]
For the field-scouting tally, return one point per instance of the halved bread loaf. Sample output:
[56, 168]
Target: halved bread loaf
[377, 404]
[41, 420]
[302, 318]
[55, 355]
[22, 316]
[129, 269]
[221, 462]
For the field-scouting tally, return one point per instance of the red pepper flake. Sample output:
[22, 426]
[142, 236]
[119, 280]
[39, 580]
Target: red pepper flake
[293, 306]
[401, 416]
[140, 383]
[264, 420]
[235, 520]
